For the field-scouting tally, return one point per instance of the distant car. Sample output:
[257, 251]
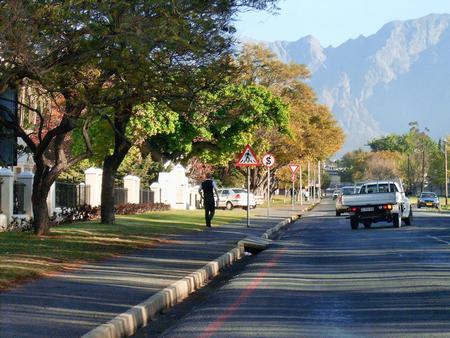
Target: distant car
[329, 192]
[230, 198]
[336, 193]
[347, 190]
[428, 199]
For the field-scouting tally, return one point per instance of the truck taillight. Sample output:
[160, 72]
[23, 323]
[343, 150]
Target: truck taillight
[353, 209]
[387, 207]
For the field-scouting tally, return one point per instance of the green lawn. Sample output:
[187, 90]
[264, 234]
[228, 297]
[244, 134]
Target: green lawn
[24, 256]
[277, 201]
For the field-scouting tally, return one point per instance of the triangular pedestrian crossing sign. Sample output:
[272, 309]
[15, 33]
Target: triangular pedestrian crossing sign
[247, 158]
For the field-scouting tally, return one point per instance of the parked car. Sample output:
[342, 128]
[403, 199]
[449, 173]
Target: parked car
[347, 190]
[428, 199]
[379, 201]
[230, 198]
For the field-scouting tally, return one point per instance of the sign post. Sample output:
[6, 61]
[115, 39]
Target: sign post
[268, 161]
[314, 184]
[293, 168]
[309, 180]
[300, 186]
[247, 159]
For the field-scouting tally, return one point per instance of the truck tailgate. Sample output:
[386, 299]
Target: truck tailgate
[369, 199]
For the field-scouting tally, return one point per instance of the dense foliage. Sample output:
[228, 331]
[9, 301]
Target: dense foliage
[101, 59]
[414, 157]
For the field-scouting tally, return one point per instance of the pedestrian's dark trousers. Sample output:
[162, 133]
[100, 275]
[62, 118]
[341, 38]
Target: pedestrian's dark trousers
[210, 209]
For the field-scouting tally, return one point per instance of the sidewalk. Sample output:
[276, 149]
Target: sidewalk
[72, 304]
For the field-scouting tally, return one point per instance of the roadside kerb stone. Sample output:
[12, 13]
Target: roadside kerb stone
[127, 323]
[271, 233]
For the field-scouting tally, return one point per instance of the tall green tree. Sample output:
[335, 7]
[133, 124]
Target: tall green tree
[314, 133]
[413, 156]
[102, 58]
[46, 46]
[169, 52]
[353, 165]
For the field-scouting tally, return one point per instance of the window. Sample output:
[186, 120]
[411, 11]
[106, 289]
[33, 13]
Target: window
[379, 188]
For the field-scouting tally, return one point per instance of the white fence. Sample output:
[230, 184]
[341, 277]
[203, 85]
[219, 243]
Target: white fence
[15, 193]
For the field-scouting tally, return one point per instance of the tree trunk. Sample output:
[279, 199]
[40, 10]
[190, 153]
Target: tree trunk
[110, 165]
[41, 188]
[40, 214]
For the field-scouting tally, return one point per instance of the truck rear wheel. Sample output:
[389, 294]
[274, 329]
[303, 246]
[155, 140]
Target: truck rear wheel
[354, 223]
[397, 220]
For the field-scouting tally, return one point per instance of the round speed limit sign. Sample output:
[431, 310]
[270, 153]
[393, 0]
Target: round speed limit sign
[268, 160]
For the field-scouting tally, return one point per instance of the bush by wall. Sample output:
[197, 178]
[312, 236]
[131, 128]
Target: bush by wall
[140, 208]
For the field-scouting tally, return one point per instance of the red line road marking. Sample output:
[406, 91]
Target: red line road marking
[251, 287]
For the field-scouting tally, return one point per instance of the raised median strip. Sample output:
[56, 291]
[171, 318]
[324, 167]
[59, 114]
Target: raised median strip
[127, 323]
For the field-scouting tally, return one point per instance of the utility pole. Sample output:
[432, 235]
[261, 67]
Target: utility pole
[446, 172]
[423, 170]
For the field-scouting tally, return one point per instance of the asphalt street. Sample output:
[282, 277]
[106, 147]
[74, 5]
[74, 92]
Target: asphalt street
[73, 303]
[322, 279]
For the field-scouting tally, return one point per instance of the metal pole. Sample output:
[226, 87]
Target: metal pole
[268, 192]
[292, 191]
[300, 186]
[319, 193]
[446, 173]
[423, 170]
[248, 197]
[309, 180]
[314, 184]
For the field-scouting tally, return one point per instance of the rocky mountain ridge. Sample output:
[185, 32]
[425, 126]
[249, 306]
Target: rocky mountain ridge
[376, 85]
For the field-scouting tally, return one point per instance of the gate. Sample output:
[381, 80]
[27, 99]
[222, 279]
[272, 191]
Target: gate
[71, 195]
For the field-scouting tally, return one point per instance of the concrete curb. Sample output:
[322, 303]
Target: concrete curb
[272, 232]
[127, 323]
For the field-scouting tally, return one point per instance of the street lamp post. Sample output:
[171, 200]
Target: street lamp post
[446, 172]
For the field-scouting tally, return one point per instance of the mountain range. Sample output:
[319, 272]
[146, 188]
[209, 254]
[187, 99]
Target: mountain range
[376, 85]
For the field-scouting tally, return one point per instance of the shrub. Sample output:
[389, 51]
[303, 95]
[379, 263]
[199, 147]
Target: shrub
[140, 208]
[80, 213]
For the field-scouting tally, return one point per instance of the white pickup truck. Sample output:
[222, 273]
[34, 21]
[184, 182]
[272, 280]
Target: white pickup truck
[379, 201]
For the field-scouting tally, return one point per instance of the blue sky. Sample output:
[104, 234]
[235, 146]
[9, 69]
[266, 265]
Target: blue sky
[332, 22]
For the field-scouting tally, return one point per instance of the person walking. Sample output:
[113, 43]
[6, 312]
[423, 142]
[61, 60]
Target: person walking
[207, 191]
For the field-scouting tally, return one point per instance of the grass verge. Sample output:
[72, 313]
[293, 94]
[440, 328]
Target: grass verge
[25, 257]
[278, 201]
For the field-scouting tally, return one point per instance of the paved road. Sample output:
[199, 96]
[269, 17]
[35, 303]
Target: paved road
[321, 279]
[71, 304]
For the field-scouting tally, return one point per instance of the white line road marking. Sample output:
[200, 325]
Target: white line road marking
[439, 240]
